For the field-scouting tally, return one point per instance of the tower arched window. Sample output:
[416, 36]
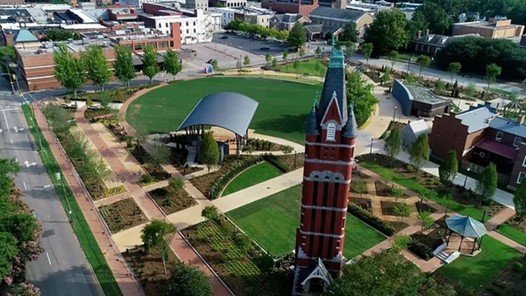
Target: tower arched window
[331, 131]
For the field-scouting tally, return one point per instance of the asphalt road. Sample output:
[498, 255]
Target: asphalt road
[62, 269]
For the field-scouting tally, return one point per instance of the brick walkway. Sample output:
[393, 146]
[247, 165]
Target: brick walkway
[126, 281]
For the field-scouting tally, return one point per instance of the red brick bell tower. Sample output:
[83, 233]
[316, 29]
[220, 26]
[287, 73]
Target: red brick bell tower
[329, 149]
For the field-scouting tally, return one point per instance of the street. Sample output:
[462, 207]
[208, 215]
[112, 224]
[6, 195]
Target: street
[62, 269]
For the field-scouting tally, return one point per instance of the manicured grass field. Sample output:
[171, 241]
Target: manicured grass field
[313, 67]
[512, 233]
[411, 184]
[283, 105]
[80, 226]
[260, 172]
[475, 272]
[272, 223]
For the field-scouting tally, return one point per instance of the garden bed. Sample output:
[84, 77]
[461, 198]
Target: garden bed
[122, 215]
[383, 189]
[509, 281]
[172, 200]
[154, 170]
[357, 186]
[397, 225]
[364, 203]
[239, 262]
[389, 207]
[149, 269]
[262, 145]
[423, 245]
[94, 115]
[423, 207]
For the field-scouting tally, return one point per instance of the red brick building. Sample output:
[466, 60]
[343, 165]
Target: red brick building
[303, 7]
[329, 149]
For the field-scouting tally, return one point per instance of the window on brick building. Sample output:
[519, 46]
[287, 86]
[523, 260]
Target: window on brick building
[498, 137]
[331, 131]
[517, 141]
[521, 177]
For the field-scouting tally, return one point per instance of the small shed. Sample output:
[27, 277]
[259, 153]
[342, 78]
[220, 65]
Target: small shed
[412, 131]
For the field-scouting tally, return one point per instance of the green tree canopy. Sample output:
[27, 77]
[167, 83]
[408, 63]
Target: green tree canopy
[393, 143]
[149, 62]
[519, 200]
[360, 93]
[492, 71]
[297, 36]
[423, 61]
[349, 33]
[157, 235]
[187, 281]
[68, 69]
[449, 168]
[123, 65]
[9, 251]
[208, 150]
[419, 152]
[454, 68]
[96, 65]
[246, 61]
[171, 63]
[388, 31]
[60, 35]
[433, 17]
[487, 181]
[367, 50]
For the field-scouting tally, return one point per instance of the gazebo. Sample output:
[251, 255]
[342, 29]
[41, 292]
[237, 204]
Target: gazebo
[466, 226]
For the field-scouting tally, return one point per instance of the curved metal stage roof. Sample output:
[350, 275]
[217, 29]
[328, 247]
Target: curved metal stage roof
[229, 110]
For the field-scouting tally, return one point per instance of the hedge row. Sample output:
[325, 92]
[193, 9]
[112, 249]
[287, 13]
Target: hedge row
[277, 162]
[238, 167]
[370, 219]
[421, 250]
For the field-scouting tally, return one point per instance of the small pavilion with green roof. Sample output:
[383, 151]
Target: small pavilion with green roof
[466, 227]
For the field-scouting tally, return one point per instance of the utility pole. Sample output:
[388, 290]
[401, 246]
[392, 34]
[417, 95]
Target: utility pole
[371, 149]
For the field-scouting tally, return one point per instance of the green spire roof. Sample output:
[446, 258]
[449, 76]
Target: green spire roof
[25, 36]
[337, 57]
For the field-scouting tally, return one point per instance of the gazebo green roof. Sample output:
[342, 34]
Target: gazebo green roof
[466, 226]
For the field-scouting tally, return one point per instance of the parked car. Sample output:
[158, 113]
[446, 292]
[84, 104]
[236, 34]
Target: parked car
[223, 37]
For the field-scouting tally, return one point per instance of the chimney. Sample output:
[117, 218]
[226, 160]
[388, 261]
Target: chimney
[419, 34]
[522, 119]
[427, 32]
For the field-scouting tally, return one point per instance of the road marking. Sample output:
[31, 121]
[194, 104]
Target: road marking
[47, 186]
[24, 183]
[48, 260]
[7, 125]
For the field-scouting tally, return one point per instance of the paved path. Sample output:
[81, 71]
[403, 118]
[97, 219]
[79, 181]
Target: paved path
[511, 243]
[124, 277]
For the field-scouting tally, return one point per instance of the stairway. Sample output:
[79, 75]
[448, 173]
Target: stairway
[442, 256]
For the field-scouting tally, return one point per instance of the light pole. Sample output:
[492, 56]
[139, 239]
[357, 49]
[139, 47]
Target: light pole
[371, 149]
[466, 179]
[394, 113]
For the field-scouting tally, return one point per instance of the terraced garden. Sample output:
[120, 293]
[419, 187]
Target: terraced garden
[122, 215]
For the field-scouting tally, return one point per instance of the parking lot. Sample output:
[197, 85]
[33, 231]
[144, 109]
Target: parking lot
[250, 44]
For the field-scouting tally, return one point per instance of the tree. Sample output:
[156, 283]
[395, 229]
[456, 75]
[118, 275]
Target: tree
[268, 58]
[384, 273]
[492, 71]
[96, 65]
[393, 143]
[433, 17]
[296, 64]
[349, 33]
[360, 93]
[393, 56]
[246, 61]
[367, 50]
[171, 63]
[176, 183]
[60, 35]
[208, 151]
[388, 31]
[123, 65]
[149, 62]
[519, 200]
[187, 281]
[297, 36]
[157, 235]
[402, 210]
[160, 153]
[9, 251]
[68, 69]
[301, 52]
[423, 61]
[210, 212]
[449, 168]
[454, 69]
[487, 181]
[419, 152]
[318, 52]
[426, 221]
[274, 63]
[285, 55]
[215, 64]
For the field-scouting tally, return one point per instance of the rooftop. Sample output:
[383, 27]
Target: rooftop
[477, 118]
[508, 126]
[336, 13]
[422, 94]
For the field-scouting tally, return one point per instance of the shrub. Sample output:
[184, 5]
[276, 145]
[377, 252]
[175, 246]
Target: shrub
[210, 212]
[176, 183]
[370, 219]
[161, 192]
[421, 250]
[146, 179]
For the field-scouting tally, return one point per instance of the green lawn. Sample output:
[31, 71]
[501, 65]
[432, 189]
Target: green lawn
[475, 272]
[272, 223]
[313, 67]
[283, 105]
[260, 172]
[412, 184]
[80, 226]
[512, 233]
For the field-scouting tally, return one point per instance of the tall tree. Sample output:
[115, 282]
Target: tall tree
[297, 36]
[433, 17]
[208, 151]
[449, 168]
[150, 68]
[419, 152]
[68, 69]
[318, 52]
[171, 63]
[393, 143]
[367, 50]
[487, 181]
[246, 61]
[492, 71]
[285, 56]
[349, 33]
[187, 281]
[360, 93]
[423, 61]
[393, 56]
[388, 31]
[268, 58]
[454, 69]
[519, 200]
[157, 235]
[123, 65]
[96, 65]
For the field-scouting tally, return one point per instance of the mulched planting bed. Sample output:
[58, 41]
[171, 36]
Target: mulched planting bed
[204, 182]
[149, 268]
[154, 170]
[510, 281]
[122, 215]
[382, 189]
[172, 200]
[397, 225]
[423, 245]
[423, 207]
[364, 203]
[358, 183]
[388, 207]
[262, 145]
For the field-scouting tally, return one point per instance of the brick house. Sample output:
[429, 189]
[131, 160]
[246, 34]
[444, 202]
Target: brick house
[480, 137]
[303, 7]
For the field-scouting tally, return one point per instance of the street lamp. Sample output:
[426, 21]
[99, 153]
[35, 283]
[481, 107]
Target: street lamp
[394, 113]
[371, 149]
[466, 179]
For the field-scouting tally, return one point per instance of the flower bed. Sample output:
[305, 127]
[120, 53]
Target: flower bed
[122, 215]
[262, 145]
[397, 225]
[423, 245]
[383, 189]
[389, 207]
[358, 184]
[94, 115]
[509, 281]
[370, 219]
[244, 267]
[172, 200]
[423, 207]
[156, 171]
[364, 203]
